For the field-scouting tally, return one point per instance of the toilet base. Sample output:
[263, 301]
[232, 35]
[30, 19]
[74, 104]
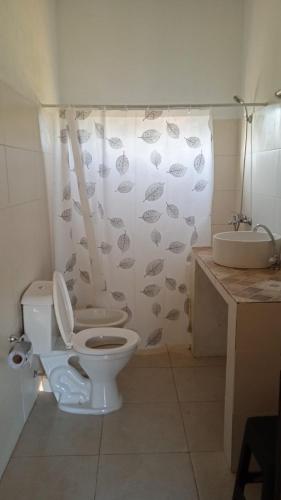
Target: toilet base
[87, 409]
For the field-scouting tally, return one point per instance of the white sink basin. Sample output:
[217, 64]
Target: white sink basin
[244, 249]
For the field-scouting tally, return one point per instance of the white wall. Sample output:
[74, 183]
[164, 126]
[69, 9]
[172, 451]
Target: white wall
[262, 41]
[143, 51]
[28, 61]
[28, 65]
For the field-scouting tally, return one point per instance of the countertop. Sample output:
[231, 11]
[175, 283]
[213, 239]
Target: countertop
[244, 285]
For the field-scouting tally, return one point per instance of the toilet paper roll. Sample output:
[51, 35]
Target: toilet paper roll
[20, 355]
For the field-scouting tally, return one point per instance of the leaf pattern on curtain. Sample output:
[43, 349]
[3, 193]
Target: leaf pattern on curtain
[148, 179]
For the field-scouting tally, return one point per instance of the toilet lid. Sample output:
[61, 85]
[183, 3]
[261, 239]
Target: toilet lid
[63, 309]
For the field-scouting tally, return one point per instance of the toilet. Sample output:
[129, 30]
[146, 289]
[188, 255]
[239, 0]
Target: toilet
[101, 352]
[93, 317]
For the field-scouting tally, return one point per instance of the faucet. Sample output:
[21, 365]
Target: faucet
[238, 219]
[275, 259]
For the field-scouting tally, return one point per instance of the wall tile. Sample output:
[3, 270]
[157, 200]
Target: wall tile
[25, 175]
[226, 137]
[223, 206]
[220, 228]
[226, 168]
[278, 175]
[277, 203]
[265, 167]
[11, 414]
[8, 312]
[264, 210]
[29, 389]
[3, 179]
[24, 250]
[30, 250]
[226, 172]
[248, 171]
[19, 119]
[266, 128]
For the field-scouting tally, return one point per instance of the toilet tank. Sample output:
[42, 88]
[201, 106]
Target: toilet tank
[39, 316]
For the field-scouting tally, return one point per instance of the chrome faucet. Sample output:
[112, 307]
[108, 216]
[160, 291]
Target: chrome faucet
[275, 259]
[238, 219]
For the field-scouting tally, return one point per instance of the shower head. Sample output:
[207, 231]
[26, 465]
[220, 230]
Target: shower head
[278, 93]
[241, 101]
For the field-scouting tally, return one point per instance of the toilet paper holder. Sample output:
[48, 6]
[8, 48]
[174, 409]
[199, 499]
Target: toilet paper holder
[13, 338]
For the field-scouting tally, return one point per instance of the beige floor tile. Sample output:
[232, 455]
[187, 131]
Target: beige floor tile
[214, 479]
[204, 383]
[156, 357]
[139, 428]
[59, 434]
[49, 478]
[147, 384]
[253, 492]
[140, 477]
[203, 422]
[181, 355]
[46, 404]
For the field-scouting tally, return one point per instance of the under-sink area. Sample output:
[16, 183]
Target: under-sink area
[237, 313]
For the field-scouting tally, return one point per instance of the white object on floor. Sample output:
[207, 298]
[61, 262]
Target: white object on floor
[93, 317]
[244, 249]
[101, 352]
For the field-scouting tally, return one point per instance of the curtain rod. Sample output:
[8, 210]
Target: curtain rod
[154, 106]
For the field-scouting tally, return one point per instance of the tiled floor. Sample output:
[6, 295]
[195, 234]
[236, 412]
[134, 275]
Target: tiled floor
[164, 444]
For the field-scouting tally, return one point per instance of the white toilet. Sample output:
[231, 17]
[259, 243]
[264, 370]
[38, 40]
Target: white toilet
[94, 317]
[101, 352]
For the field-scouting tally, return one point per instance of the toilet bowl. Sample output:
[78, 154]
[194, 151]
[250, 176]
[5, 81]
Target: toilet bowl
[93, 317]
[101, 352]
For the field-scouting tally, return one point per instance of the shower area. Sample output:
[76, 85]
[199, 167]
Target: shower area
[130, 193]
[131, 190]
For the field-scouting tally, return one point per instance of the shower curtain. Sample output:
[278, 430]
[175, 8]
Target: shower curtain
[131, 194]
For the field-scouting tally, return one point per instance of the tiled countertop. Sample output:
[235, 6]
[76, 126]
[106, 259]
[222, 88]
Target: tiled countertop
[244, 285]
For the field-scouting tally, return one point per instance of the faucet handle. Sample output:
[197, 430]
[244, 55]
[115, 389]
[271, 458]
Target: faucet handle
[246, 220]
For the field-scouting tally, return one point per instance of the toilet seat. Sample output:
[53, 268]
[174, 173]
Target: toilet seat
[125, 340]
[119, 340]
[99, 317]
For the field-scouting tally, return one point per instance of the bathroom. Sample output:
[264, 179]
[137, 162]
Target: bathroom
[136, 67]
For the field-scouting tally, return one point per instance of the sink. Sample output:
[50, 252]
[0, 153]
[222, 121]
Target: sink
[244, 249]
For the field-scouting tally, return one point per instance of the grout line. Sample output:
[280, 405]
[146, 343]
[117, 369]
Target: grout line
[20, 148]
[153, 452]
[184, 430]
[99, 458]
[197, 484]
[23, 457]
[21, 204]
[114, 453]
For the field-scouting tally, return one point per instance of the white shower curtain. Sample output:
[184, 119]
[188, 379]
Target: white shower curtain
[132, 194]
